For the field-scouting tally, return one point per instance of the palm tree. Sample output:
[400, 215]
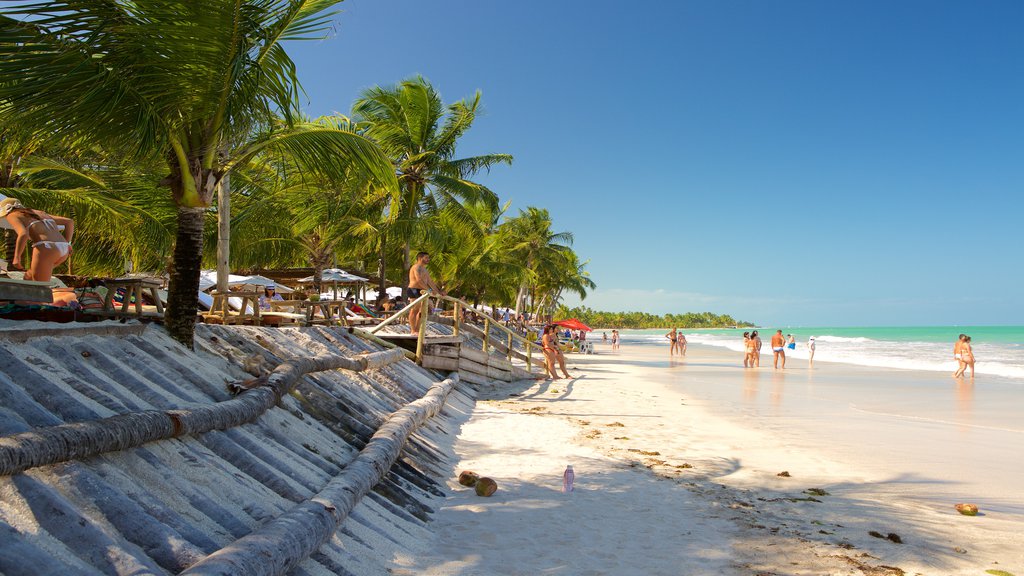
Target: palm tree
[196, 84]
[531, 241]
[419, 134]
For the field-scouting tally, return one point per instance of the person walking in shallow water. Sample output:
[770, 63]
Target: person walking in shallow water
[672, 336]
[756, 358]
[810, 352]
[956, 353]
[748, 350]
[966, 358]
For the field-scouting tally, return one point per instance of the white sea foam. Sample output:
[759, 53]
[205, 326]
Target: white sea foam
[1006, 360]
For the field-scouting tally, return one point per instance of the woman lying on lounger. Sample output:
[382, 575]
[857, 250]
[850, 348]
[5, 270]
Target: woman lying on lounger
[50, 247]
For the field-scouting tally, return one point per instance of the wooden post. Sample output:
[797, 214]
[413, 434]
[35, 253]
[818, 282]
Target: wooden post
[424, 314]
[510, 346]
[487, 331]
[458, 318]
[529, 356]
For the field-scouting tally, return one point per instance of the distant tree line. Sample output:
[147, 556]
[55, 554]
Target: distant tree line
[601, 319]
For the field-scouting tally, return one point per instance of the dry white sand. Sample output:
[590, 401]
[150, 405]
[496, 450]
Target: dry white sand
[632, 424]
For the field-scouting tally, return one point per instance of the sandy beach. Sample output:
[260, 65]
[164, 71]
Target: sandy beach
[677, 472]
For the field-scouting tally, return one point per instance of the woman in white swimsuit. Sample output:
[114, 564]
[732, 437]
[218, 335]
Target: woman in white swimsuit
[50, 247]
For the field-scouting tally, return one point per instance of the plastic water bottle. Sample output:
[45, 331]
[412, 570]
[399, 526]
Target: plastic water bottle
[567, 479]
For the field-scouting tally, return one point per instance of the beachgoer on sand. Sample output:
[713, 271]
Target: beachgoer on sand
[810, 352]
[779, 348]
[748, 350]
[757, 349]
[50, 246]
[420, 280]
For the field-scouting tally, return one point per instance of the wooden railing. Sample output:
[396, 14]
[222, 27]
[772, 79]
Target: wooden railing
[460, 305]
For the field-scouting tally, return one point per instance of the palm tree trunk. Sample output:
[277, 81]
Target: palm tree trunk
[183, 292]
[282, 543]
[381, 272]
[223, 233]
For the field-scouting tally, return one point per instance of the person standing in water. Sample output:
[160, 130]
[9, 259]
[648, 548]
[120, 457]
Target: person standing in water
[757, 349]
[681, 343]
[672, 336]
[748, 350]
[790, 342]
[810, 352]
[779, 348]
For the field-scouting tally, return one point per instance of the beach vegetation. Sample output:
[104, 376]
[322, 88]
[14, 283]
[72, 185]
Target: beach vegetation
[207, 87]
[133, 118]
[420, 134]
[642, 320]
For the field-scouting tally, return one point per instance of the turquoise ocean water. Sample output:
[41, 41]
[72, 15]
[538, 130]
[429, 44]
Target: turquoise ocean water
[999, 350]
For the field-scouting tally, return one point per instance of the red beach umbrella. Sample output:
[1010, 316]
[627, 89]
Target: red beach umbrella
[574, 324]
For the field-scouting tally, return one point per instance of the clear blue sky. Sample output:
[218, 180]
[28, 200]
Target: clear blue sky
[786, 162]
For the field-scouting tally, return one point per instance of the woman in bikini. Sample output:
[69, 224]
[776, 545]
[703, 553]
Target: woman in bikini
[748, 350]
[966, 358]
[550, 343]
[50, 247]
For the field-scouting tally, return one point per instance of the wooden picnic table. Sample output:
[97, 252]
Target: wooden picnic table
[133, 287]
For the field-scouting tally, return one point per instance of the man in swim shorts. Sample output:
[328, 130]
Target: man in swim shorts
[420, 280]
[779, 348]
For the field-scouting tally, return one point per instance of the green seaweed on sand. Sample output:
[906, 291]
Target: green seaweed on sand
[998, 573]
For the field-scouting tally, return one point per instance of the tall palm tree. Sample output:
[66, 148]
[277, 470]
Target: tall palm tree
[420, 134]
[531, 240]
[197, 84]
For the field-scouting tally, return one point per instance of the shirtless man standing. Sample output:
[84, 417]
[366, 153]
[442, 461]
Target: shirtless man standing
[779, 348]
[420, 280]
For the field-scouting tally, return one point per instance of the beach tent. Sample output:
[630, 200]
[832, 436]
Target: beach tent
[391, 291]
[261, 281]
[208, 279]
[573, 324]
[339, 277]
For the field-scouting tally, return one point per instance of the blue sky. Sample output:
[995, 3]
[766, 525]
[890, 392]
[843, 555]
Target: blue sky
[786, 162]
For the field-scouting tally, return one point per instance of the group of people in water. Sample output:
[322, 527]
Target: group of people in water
[752, 349]
[677, 341]
[964, 355]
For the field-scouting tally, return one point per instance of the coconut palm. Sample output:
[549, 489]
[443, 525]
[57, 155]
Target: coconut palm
[196, 84]
[420, 134]
[530, 240]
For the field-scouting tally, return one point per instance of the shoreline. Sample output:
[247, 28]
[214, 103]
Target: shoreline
[632, 423]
